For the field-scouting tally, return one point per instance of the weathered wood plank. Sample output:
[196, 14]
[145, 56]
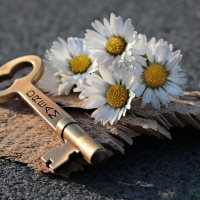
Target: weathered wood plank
[24, 137]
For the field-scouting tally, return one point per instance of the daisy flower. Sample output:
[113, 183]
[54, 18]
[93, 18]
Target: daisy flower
[159, 74]
[112, 41]
[71, 61]
[111, 93]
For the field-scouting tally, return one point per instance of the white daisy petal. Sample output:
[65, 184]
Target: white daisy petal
[158, 54]
[134, 85]
[87, 93]
[98, 26]
[137, 51]
[117, 58]
[175, 70]
[100, 86]
[177, 75]
[120, 113]
[98, 37]
[92, 88]
[102, 56]
[98, 45]
[112, 24]
[65, 88]
[137, 69]
[176, 87]
[111, 114]
[123, 73]
[109, 61]
[108, 29]
[96, 78]
[171, 47]
[107, 75]
[100, 113]
[128, 31]
[177, 80]
[114, 116]
[105, 118]
[163, 95]
[124, 112]
[154, 101]
[91, 103]
[130, 81]
[127, 24]
[171, 90]
[149, 53]
[147, 95]
[139, 91]
[152, 44]
[140, 59]
[48, 82]
[116, 73]
[119, 26]
[128, 57]
[174, 62]
[108, 116]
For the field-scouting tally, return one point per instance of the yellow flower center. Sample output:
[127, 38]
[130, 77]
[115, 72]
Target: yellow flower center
[115, 45]
[117, 96]
[79, 64]
[155, 75]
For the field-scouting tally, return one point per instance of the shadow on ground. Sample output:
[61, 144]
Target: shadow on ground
[150, 169]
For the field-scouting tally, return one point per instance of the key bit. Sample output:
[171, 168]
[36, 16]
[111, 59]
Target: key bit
[59, 156]
[93, 152]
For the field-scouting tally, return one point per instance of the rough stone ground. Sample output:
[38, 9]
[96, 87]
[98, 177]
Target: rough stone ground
[151, 169]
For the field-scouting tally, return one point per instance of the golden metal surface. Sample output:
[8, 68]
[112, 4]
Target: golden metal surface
[92, 152]
[59, 156]
[61, 125]
[57, 118]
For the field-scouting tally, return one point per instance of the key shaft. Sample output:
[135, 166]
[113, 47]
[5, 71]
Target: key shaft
[64, 125]
[61, 122]
[42, 105]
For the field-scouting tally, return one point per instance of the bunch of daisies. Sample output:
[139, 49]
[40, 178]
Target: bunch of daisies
[111, 66]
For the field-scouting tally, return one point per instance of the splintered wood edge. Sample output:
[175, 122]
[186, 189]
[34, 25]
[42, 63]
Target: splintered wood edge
[149, 121]
[180, 112]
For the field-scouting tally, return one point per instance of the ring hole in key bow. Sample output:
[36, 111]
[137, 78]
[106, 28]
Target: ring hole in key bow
[18, 71]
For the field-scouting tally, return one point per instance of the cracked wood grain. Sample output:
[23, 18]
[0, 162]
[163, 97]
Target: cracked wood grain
[24, 137]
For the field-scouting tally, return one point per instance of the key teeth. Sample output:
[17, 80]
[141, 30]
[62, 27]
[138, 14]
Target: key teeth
[59, 156]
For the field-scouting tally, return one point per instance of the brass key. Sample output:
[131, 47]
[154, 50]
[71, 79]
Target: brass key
[77, 140]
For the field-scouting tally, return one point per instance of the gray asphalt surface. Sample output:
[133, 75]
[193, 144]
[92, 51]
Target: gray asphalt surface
[151, 169]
